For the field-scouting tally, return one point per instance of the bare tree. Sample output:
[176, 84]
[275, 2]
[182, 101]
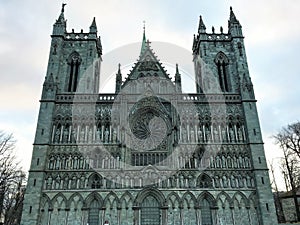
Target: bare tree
[11, 180]
[288, 140]
[279, 209]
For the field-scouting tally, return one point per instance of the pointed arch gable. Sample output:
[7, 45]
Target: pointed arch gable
[127, 198]
[241, 198]
[46, 200]
[107, 201]
[253, 199]
[226, 198]
[192, 198]
[55, 198]
[172, 198]
[73, 196]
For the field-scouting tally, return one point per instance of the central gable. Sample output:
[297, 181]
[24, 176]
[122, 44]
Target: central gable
[147, 65]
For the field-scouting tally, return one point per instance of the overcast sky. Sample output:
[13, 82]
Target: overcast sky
[272, 40]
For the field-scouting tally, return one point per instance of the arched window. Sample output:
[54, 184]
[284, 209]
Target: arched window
[95, 181]
[206, 217]
[74, 64]
[222, 63]
[94, 213]
[204, 181]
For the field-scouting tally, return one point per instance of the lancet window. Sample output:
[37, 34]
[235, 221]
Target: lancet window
[74, 62]
[222, 68]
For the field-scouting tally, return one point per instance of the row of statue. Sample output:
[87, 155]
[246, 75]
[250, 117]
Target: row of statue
[99, 161]
[187, 134]
[225, 180]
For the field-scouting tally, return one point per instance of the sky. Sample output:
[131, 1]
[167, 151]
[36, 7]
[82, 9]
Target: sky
[272, 41]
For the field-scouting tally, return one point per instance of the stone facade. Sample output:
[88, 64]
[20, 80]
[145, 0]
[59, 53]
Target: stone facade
[148, 154]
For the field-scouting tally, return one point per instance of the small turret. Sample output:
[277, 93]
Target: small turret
[178, 80]
[201, 28]
[234, 26]
[93, 27]
[60, 26]
[118, 79]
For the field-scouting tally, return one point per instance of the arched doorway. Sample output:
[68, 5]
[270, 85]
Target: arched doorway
[150, 211]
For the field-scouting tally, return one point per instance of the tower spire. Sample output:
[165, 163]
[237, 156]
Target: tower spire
[234, 26]
[118, 79]
[178, 80]
[61, 17]
[201, 28]
[232, 17]
[144, 42]
[60, 26]
[93, 27]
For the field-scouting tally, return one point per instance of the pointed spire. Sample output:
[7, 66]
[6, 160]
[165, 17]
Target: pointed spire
[93, 27]
[234, 26]
[60, 26]
[61, 17]
[201, 28]
[178, 80]
[232, 17]
[118, 79]
[144, 42]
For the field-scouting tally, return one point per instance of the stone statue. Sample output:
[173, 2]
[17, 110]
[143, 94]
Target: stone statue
[106, 136]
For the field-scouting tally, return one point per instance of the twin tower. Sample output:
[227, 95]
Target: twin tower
[148, 154]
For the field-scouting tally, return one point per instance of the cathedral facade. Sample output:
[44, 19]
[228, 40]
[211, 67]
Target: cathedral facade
[148, 154]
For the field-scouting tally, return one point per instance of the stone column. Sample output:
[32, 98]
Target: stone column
[164, 215]
[232, 215]
[53, 133]
[136, 215]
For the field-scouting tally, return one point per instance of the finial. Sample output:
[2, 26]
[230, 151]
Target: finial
[213, 29]
[144, 27]
[177, 70]
[63, 7]
[221, 29]
[119, 67]
[230, 8]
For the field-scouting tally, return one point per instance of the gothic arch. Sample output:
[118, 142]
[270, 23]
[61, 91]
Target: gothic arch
[73, 196]
[241, 198]
[222, 62]
[111, 199]
[204, 181]
[126, 199]
[222, 198]
[46, 200]
[192, 200]
[64, 200]
[95, 181]
[209, 197]
[221, 58]
[93, 196]
[149, 191]
[253, 199]
[172, 198]
[74, 61]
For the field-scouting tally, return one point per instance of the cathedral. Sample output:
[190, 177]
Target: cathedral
[148, 154]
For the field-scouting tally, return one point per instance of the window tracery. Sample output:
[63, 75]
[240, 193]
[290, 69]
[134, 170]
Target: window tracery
[222, 63]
